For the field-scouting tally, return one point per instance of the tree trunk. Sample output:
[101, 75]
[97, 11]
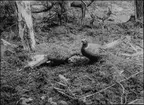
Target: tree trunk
[138, 8]
[25, 19]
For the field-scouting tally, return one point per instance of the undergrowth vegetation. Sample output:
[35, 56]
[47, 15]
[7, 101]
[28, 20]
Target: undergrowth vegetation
[116, 79]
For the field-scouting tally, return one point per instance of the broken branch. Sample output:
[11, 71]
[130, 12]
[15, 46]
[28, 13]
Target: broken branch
[6, 43]
[131, 55]
[60, 91]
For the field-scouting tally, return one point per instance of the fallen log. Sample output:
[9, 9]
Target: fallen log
[37, 60]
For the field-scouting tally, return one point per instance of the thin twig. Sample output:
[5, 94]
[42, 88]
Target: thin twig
[62, 93]
[123, 92]
[131, 55]
[131, 76]
[132, 102]
[11, 26]
[112, 85]
[129, 43]
[6, 43]
[99, 91]
[61, 84]
[132, 46]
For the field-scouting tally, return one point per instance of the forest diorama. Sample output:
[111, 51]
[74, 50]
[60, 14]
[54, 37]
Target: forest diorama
[71, 52]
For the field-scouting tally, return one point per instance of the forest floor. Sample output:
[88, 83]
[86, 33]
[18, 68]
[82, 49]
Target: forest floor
[116, 80]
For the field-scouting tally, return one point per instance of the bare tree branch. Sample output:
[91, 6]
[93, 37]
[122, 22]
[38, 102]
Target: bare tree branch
[90, 3]
[47, 8]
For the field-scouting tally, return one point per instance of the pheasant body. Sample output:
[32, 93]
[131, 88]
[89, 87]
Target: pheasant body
[95, 51]
[91, 51]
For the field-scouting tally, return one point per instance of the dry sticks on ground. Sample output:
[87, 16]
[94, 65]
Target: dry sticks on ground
[112, 85]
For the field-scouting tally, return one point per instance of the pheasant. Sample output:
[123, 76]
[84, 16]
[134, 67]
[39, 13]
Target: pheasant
[90, 50]
[94, 51]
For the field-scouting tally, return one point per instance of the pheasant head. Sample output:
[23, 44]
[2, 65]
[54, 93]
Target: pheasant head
[84, 43]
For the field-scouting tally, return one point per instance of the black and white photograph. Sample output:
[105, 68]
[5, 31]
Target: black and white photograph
[71, 52]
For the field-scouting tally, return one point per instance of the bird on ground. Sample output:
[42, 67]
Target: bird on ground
[91, 50]
[96, 51]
